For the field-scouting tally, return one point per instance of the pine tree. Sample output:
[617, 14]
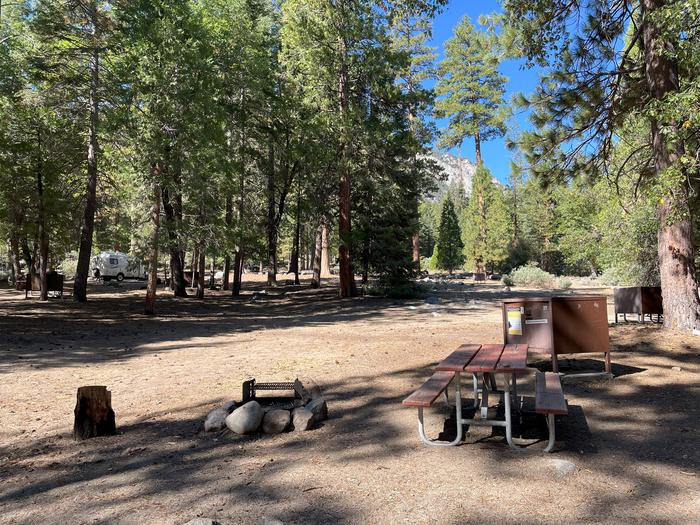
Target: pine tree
[470, 89]
[449, 245]
[487, 234]
[606, 63]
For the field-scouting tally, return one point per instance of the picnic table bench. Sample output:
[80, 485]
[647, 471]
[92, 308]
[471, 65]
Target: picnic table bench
[485, 363]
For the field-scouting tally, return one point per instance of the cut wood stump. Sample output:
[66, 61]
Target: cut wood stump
[93, 413]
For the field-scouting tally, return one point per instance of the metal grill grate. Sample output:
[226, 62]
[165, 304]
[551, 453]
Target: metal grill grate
[251, 387]
[273, 386]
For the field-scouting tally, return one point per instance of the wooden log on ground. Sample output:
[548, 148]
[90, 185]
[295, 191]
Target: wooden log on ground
[93, 413]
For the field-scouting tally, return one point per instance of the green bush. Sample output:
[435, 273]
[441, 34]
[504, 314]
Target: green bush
[433, 261]
[69, 265]
[408, 290]
[507, 280]
[533, 277]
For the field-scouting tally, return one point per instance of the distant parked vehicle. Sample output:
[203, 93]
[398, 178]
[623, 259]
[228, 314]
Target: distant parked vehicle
[119, 266]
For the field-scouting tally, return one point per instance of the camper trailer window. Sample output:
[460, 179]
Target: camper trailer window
[113, 260]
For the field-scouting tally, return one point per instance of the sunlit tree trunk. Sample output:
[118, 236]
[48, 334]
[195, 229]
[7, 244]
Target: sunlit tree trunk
[316, 278]
[676, 251]
[477, 147]
[88, 221]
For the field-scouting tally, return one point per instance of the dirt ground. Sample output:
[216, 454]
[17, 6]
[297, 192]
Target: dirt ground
[634, 439]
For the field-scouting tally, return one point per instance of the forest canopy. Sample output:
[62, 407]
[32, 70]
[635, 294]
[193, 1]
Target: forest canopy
[215, 135]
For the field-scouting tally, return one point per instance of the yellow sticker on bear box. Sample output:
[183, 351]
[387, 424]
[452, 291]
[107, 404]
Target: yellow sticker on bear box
[515, 322]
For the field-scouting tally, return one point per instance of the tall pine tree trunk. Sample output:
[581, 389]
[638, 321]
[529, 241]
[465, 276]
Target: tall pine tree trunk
[193, 265]
[150, 308]
[477, 147]
[676, 251]
[88, 222]
[41, 220]
[316, 278]
[237, 272]
[227, 258]
[347, 278]
[271, 226]
[325, 250]
[200, 272]
[294, 260]
[179, 286]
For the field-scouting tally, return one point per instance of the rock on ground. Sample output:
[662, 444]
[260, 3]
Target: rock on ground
[311, 389]
[245, 419]
[563, 468]
[202, 521]
[302, 419]
[318, 408]
[276, 421]
[216, 420]
[230, 406]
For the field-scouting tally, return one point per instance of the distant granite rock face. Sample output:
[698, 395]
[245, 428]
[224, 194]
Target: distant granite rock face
[456, 171]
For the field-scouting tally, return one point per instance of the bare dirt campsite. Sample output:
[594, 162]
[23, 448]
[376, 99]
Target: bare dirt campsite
[626, 453]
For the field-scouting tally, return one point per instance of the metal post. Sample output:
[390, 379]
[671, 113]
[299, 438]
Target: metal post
[484, 398]
[458, 417]
[550, 425]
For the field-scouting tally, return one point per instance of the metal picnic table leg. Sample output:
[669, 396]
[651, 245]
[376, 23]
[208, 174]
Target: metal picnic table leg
[458, 417]
[550, 426]
[475, 382]
[509, 424]
[484, 397]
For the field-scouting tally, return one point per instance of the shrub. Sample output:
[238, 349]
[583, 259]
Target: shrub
[433, 261]
[507, 280]
[408, 290]
[564, 282]
[69, 265]
[533, 277]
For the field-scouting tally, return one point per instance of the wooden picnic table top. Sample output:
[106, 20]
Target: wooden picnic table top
[492, 358]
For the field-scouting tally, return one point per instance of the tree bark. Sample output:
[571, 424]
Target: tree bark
[294, 259]
[347, 278]
[150, 308]
[237, 273]
[88, 222]
[195, 259]
[477, 147]
[41, 220]
[93, 413]
[212, 274]
[227, 258]
[676, 250]
[178, 284]
[316, 278]
[325, 253]
[271, 226]
[200, 271]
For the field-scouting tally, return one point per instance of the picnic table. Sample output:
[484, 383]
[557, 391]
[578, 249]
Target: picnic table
[488, 364]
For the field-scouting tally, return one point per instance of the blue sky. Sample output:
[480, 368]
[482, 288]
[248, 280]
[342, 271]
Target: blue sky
[494, 152]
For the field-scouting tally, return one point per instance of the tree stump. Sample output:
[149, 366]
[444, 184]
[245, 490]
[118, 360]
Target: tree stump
[93, 413]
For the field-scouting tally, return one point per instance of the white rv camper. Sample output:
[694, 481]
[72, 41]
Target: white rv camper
[119, 266]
